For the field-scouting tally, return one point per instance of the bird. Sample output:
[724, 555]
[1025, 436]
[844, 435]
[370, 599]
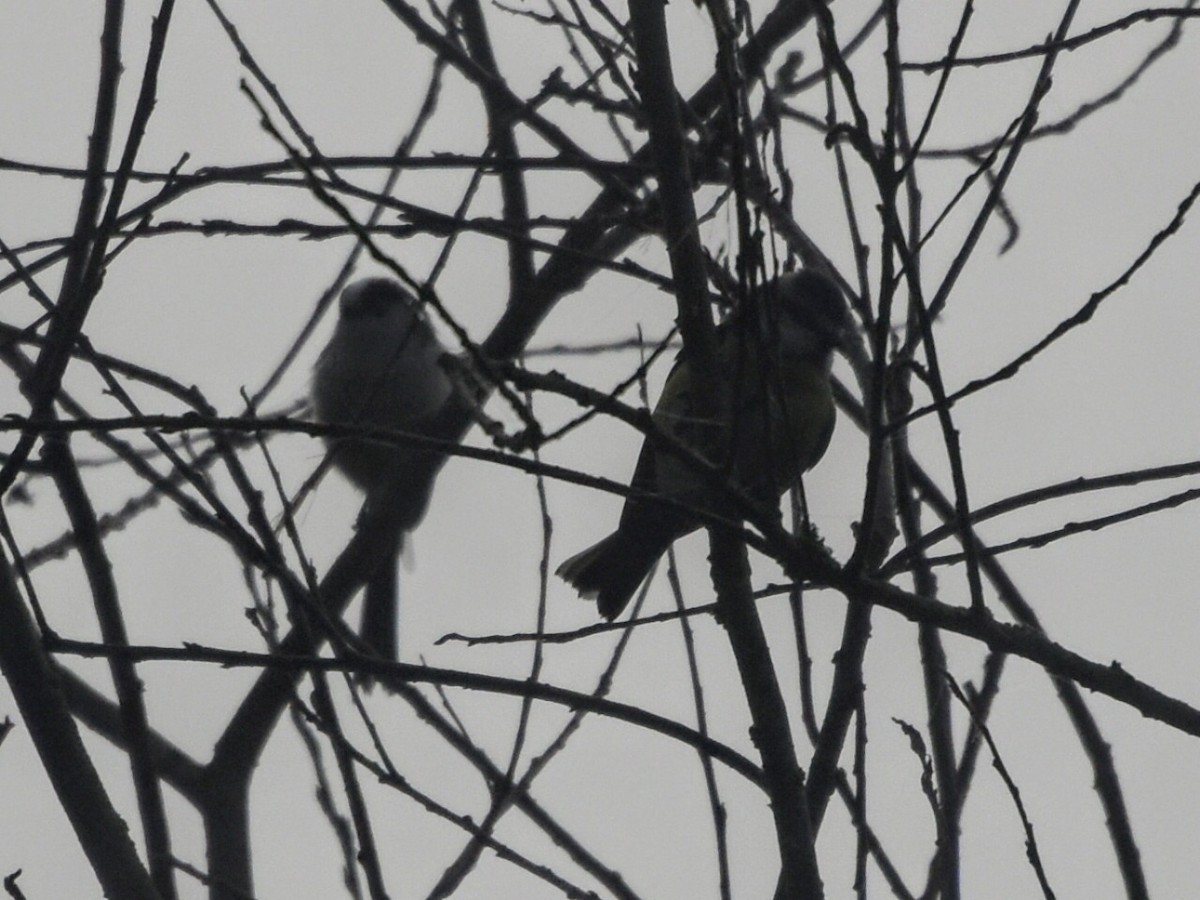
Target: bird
[382, 369]
[775, 355]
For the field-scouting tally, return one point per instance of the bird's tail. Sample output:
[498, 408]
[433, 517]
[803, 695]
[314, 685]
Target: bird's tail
[379, 629]
[610, 571]
[381, 613]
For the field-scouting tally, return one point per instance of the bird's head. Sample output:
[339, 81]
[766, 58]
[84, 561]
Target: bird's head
[808, 313]
[378, 300]
[814, 303]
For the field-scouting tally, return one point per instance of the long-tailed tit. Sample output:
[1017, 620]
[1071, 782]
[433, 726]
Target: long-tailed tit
[382, 370]
[780, 421]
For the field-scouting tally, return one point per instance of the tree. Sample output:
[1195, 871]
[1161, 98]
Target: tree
[569, 182]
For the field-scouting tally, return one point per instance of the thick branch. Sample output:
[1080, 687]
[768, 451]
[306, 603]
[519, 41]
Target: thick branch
[102, 833]
[771, 731]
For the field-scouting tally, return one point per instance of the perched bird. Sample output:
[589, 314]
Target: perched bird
[776, 357]
[381, 369]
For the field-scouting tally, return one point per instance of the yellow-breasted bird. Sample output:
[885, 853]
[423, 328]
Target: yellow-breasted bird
[776, 358]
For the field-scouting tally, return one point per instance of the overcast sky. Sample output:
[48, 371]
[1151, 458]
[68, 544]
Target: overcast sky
[219, 312]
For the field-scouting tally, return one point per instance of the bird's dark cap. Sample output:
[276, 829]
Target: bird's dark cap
[817, 303]
[373, 297]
